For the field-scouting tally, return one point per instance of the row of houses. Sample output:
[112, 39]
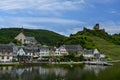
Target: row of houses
[11, 52]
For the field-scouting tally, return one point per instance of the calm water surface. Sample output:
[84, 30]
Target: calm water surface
[61, 72]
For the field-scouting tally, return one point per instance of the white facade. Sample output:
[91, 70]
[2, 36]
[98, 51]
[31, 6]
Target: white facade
[6, 58]
[44, 52]
[102, 56]
[63, 50]
[57, 52]
[96, 51]
[21, 52]
[94, 54]
[60, 51]
[27, 42]
[88, 55]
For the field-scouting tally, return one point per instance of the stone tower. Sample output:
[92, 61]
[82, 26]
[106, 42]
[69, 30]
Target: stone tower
[96, 27]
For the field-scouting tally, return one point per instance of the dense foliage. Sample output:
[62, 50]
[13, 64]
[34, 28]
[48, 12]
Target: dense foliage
[71, 57]
[104, 42]
[84, 41]
[116, 38]
[84, 38]
[42, 36]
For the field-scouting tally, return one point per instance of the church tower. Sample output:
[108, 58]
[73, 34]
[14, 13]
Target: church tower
[21, 37]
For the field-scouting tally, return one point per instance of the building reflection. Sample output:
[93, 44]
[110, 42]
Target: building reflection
[6, 69]
[95, 68]
[44, 73]
[25, 73]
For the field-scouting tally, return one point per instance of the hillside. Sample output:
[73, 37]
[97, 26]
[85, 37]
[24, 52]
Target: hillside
[110, 49]
[42, 36]
[96, 38]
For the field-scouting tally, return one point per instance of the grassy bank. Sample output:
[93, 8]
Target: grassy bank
[40, 64]
[11, 64]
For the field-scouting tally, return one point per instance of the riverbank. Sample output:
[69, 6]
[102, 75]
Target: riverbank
[67, 63]
[44, 63]
[38, 63]
[11, 64]
[97, 63]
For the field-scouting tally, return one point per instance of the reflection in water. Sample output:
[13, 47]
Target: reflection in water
[95, 68]
[5, 69]
[56, 71]
[47, 73]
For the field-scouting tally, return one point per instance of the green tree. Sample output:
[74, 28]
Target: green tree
[17, 42]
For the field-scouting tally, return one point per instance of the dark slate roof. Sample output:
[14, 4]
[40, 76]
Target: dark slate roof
[30, 38]
[52, 48]
[88, 51]
[15, 49]
[11, 44]
[44, 47]
[6, 48]
[73, 48]
[29, 49]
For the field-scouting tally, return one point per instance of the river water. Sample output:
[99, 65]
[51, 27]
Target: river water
[60, 72]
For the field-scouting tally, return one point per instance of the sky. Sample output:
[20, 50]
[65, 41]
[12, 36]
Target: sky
[62, 16]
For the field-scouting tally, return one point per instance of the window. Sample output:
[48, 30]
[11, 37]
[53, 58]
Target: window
[7, 57]
[2, 57]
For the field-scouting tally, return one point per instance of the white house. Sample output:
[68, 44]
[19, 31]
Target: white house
[102, 56]
[21, 52]
[61, 51]
[93, 54]
[57, 52]
[44, 51]
[88, 54]
[6, 53]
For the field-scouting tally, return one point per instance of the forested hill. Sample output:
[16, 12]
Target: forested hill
[42, 36]
[96, 38]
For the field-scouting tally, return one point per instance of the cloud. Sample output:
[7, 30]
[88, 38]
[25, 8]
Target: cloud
[111, 26]
[41, 4]
[114, 12]
[42, 20]
[57, 15]
[41, 7]
[60, 25]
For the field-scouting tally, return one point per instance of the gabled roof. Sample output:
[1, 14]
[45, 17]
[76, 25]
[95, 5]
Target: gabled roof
[6, 48]
[30, 38]
[20, 34]
[31, 49]
[88, 51]
[73, 48]
[96, 51]
[20, 52]
[11, 44]
[44, 48]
